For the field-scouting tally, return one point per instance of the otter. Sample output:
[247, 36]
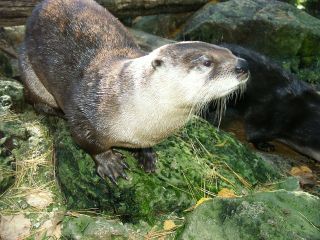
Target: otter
[277, 106]
[79, 59]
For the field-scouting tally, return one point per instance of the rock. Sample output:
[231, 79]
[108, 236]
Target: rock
[11, 97]
[274, 28]
[148, 42]
[14, 227]
[13, 36]
[85, 227]
[264, 215]
[11, 94]
[310, 6]
[163, 25]
[199, 157]
[39, 199]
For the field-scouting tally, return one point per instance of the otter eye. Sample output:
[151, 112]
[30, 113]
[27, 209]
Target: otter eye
[207, 63]
[156, 63]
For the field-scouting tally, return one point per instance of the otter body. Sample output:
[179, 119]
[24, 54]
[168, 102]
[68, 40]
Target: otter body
[278, 106]
[81, 60]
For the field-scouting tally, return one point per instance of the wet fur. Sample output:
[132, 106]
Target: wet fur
[80, 59]
[278, 106]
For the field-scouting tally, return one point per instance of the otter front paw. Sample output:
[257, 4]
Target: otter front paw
[264, 146]
[146, 158]
[110, 164]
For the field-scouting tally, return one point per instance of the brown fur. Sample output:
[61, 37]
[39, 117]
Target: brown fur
[78, 58]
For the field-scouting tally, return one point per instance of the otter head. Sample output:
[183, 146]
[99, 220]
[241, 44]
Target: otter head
[196, 73]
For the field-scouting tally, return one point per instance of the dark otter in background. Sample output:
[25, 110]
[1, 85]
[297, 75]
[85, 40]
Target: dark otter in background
[80, 59]
[278, 106]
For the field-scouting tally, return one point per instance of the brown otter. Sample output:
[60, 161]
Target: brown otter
[78, 58]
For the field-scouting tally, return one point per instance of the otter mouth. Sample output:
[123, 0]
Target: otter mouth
[237, 85]
[220, 104]
[243, 77]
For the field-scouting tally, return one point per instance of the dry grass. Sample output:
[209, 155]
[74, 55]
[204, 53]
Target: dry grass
[33, 173]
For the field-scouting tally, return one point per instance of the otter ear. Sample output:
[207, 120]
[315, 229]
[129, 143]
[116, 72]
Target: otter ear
[156, 63]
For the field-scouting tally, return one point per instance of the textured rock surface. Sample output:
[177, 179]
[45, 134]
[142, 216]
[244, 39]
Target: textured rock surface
[264, 215]
[101, 228]
[163, 25]
[200, 157]
[275, 28]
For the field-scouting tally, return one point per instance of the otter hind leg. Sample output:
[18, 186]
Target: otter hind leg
[35, 91]
[147, 158]
[110, 164]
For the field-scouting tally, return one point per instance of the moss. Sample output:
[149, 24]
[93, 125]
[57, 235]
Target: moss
[310, 74]
[7, 173]
[11, 94]
[5, 66]
[26, 163]
[265, 215]
[197, 160]
[99, 227]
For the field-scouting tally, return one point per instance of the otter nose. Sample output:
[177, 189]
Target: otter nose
[242, 66]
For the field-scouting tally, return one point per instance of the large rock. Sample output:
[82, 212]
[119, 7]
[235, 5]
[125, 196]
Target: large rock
[264, 215]
[163, 25]
[200, 157]
[11, 94]
[274, 28]
[89, 227]
[148, 42]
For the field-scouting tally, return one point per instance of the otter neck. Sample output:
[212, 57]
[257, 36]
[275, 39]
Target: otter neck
[152, 110]
[162, 92]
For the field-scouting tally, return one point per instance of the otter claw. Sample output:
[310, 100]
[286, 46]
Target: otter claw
[147, 159]
[111, 165]
[125, 165]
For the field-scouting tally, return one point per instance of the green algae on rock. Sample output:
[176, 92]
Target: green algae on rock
[11, 94]
[263, 215]
[196, 162]
[5, 66]
[92, 227]
[34, 192]
[27, 181]
[163, 25]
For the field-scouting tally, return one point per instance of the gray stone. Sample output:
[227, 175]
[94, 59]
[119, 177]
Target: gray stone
[264, 215]
[163, 25]
[274, 28]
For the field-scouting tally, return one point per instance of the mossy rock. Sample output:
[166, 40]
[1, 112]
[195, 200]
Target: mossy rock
[5, 66]
[196, 162]
[11, 94]
[163, 25]
[200, 160]
[264, 215]
[274, 28]
[98, 227]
